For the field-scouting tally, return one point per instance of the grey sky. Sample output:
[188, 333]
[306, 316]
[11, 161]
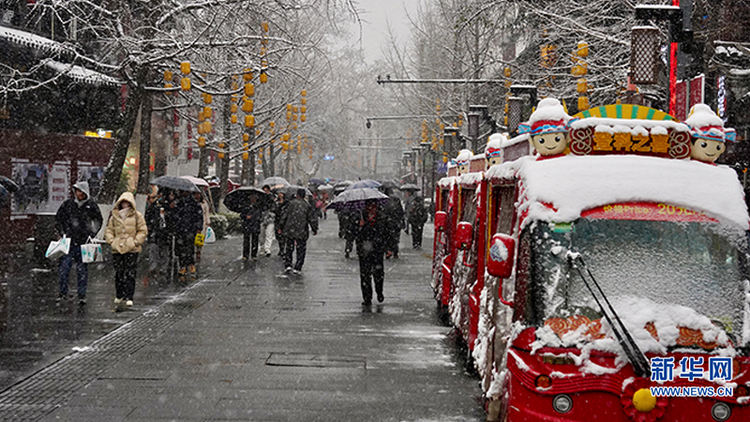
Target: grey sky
[374, 30]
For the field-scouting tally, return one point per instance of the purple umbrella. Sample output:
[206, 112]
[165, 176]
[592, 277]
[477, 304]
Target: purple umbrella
[355, 199]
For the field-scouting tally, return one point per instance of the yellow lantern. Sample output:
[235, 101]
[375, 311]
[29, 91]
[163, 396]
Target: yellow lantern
[272, 124]
[285, 137]
[257, 132]
[233, 118]
[201, 116]
[284, 146]
[234, 98]
[248, 105]
[265, 26]
[302, 118]
[294, 117]
[263, 77]
[288, 107]
[303, 109]
[233, 108]
[295, 109]
[249, 120]
[303, 93]
[207, 126]
[185, 84]
[245, 156]
[249, 89]
[582, 86]
[167, 86]
[583, 103]
[583, 49]
[168, 75]
[303, 101]
[246, 146]
[507, 72]
[185, 68]
[221, 155]
[208, 98]
[294, 126]
[247, 76]
[299, 149]
[289, 115]
[201, 141]
[245, 137]
[207, 112]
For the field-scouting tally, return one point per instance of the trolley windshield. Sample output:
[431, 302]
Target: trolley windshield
[698, 265]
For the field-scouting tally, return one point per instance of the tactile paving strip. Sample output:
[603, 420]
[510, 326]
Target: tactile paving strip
[43, 392]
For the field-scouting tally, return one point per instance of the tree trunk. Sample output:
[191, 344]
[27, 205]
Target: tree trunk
[203, 162]
[117, 159]
[227, 133]
[145, 155]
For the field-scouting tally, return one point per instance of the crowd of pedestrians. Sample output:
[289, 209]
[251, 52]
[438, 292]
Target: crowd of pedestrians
[175, 222]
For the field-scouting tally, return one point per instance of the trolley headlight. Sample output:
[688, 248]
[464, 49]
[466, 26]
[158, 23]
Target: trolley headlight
[562, 403]
[721, 412]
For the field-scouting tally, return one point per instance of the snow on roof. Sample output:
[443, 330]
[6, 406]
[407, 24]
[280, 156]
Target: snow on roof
[26, 38]
[80, 74]
[573, 184]
[447, 181]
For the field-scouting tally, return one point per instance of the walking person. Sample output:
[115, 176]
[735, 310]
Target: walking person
[78, 219]
[201, 199]
[417, 218]
[350, 221]
[126, 232]
[279, 211]
[371, 247]
[300, 217]
[158, 239]
[394, 217]
[185, 217]
[251, 216]
[267, 227]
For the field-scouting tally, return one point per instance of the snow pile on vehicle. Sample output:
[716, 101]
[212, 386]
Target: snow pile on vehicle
[655, 327]
[560, 189]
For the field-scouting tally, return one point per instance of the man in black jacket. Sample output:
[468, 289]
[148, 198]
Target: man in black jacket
[78, 219]
[298, 217]
[371, 246]
[186, 217]
[251, 217]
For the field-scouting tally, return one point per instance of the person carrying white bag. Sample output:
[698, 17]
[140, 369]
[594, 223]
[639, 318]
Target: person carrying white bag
[77, 219]
[126, 232]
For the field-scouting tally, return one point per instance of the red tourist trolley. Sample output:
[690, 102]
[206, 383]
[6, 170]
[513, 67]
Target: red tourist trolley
[609, 282]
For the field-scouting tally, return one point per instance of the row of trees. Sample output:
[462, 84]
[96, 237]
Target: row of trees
[137, 41]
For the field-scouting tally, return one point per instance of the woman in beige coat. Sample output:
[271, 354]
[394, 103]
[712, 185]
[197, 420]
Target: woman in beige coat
[126, 232]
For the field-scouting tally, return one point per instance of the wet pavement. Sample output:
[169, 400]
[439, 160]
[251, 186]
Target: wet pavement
[242, 342]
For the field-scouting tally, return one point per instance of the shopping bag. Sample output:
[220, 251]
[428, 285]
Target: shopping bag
[58, 248]
[210, 236]
[91, 252]
[199, 238]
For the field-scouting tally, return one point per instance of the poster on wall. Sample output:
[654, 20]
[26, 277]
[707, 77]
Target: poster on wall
[42, 188]
[91, 174]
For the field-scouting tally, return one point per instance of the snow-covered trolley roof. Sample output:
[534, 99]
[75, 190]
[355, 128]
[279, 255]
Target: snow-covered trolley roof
[573, 184]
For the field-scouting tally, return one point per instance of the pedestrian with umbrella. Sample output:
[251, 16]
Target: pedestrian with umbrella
[371, 246]
[409, 191]
[250, 202]
[394, 214]
[185, 218]
[296, 224]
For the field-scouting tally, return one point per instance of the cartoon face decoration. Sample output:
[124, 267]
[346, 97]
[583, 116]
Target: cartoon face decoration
[550, 143]
[463, 160]
[706, 150]
[491, 161]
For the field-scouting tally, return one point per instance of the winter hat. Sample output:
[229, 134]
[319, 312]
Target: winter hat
[83, 186]
[705, 124]
[549, 117]
[494, 145]
[301, 193]
[464, 156]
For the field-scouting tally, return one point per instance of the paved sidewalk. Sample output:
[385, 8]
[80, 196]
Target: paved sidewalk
[248, 344]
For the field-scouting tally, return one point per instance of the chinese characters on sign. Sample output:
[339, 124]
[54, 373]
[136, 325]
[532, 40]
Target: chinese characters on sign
[691, 368]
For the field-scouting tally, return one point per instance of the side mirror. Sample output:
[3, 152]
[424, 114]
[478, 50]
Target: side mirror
[441, 217]
[502, 250]
[464, 235]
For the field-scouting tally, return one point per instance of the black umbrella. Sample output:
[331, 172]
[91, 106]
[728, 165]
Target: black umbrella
[410, 187]
[176, 183]
[239, 199]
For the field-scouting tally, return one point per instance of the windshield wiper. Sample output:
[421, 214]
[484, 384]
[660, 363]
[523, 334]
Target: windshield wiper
[636, 357]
